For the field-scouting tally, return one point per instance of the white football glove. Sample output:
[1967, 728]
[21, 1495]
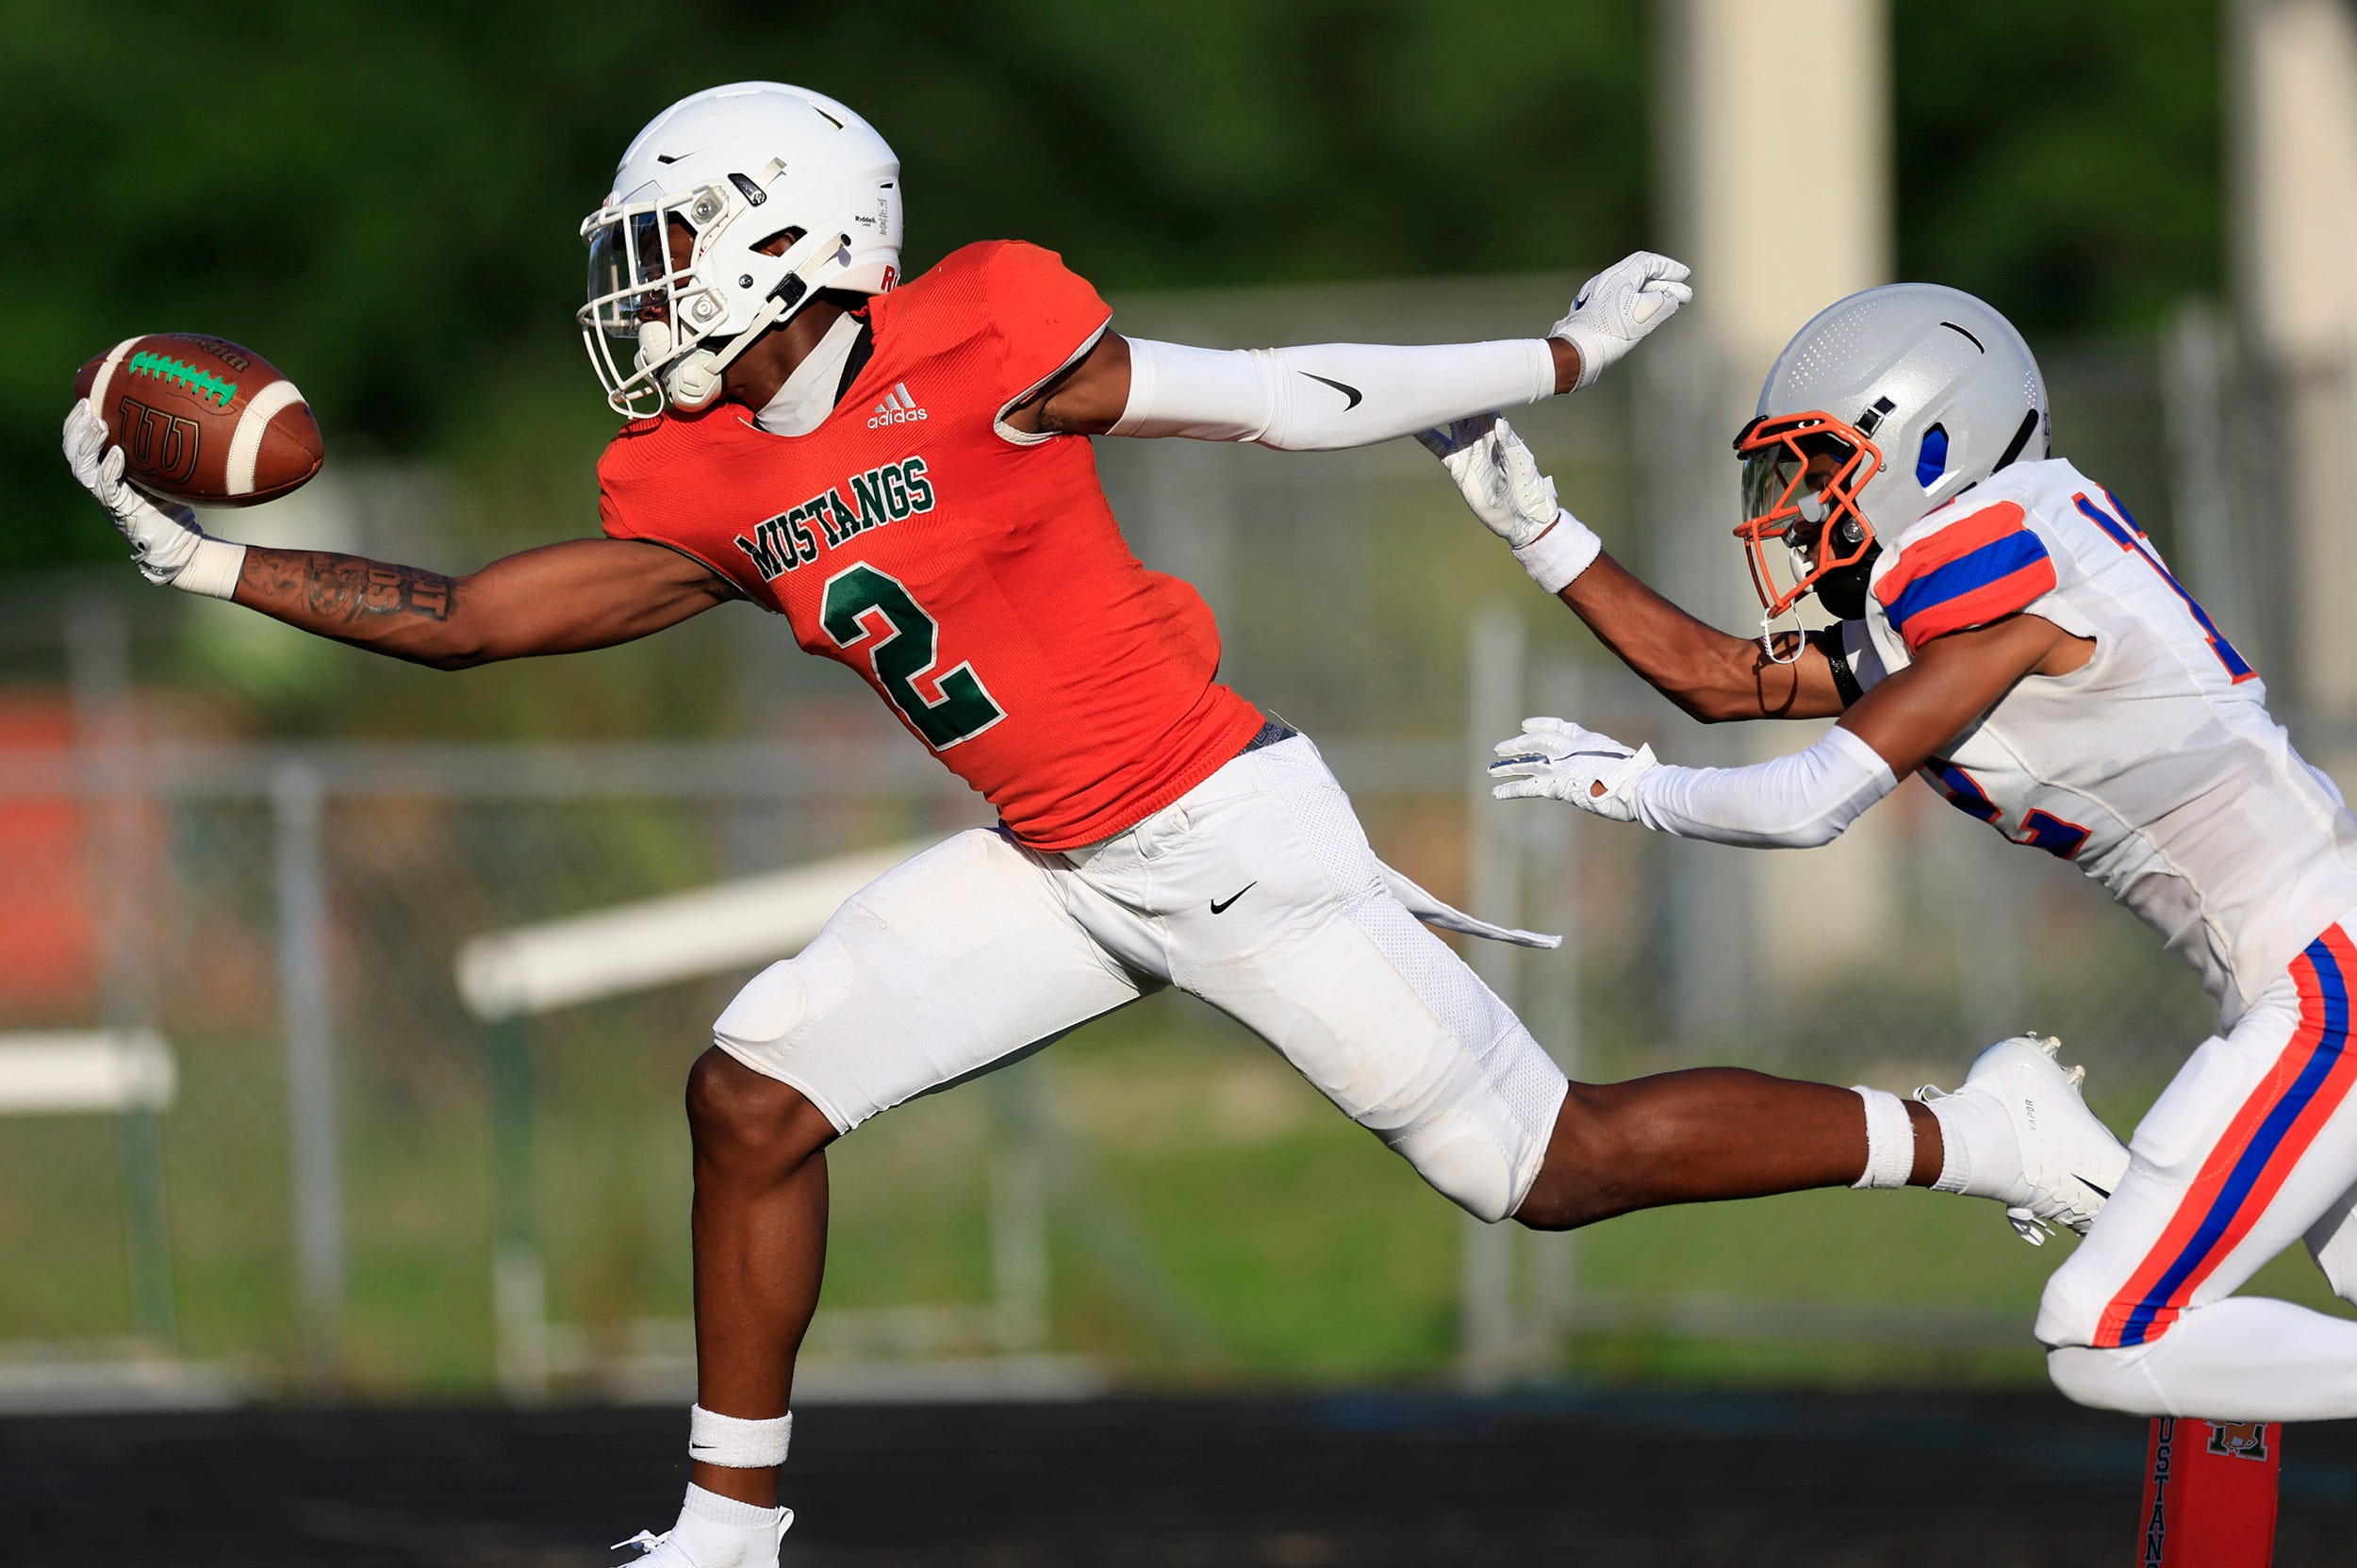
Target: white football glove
[1498, 475]
[1501, 481]
[1619, 306]
[1554, 759]
[165, 543]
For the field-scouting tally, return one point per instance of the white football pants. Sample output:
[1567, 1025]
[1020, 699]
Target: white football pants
[1255, 891]
[2251, 1147]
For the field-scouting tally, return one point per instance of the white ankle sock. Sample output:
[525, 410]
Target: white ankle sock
[1980, 1155]
[1890, 1139]
[721, 1532]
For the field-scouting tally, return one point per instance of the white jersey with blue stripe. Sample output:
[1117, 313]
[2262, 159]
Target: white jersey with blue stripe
[2155, 767]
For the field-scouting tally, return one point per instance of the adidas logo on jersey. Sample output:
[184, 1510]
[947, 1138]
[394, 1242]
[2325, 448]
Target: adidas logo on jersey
[897, 409]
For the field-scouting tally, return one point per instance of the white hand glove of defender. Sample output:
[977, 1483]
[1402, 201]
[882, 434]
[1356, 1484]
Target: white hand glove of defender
[1554, 759]
[165, 543]
[1501, 481]
[1619, 306]
[1790, 802]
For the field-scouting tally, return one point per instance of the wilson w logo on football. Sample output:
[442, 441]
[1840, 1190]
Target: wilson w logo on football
[158, 446]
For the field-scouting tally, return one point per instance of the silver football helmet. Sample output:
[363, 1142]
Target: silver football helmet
[1886, 404]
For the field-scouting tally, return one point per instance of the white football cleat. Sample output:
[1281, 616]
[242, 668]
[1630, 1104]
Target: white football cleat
[661, 1551]
[2071, 1162]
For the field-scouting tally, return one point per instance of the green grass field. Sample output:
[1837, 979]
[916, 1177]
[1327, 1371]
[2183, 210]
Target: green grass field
[1292, 1245]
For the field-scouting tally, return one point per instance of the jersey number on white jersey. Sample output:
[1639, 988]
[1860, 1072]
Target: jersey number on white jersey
[2125, 534]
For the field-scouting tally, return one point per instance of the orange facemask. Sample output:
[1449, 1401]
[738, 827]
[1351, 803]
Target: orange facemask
[1802, 474]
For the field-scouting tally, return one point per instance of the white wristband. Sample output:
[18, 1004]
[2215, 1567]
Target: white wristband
[1890, 1139]
[1558, 556]
[212, 569]
[733, 1442]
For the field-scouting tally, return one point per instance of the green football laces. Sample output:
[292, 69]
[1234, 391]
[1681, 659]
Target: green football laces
[203, 383]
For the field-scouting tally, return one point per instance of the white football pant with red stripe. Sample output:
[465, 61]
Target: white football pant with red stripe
[2251, 1147]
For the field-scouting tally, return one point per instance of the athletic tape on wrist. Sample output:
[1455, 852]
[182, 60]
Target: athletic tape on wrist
[212, 569]
[1559, 554]
[1890, 1139]
[734, 1443]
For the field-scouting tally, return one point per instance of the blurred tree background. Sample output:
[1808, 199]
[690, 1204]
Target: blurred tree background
[384, 199]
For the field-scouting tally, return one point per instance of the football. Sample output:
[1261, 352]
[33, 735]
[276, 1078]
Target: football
[202, 419]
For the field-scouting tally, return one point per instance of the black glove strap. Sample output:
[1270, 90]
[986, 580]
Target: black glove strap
[1828, 640]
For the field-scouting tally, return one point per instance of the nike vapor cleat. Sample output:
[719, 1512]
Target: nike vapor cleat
[667, 1551]
[2071, 1162]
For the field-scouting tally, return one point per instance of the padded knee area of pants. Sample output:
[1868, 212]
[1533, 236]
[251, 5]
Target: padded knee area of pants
[767, 1010]
[1463, 1166]
[2071, 1310]
[2332, 1241]
[2105, 1380]
[779, 999]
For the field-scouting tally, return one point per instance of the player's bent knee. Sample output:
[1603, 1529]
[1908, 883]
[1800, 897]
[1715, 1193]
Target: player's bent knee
[2070, 1308]
[1465, 1167]
[744, 1122]
[2105, 1379]
[1576, 1182]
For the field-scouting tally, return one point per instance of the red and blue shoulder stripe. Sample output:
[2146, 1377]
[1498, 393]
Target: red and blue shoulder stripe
[1976, 570]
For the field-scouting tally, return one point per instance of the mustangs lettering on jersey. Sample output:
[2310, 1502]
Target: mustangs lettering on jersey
[971, 574]
[885, 493]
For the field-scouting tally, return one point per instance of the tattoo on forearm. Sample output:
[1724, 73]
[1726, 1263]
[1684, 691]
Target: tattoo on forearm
[348, 590]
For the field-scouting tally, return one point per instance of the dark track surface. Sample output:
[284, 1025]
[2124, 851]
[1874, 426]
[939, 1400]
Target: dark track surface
[1627, 1478]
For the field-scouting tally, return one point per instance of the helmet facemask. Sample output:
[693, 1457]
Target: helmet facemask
[650, 308]
[1803, 477]
[643, 307]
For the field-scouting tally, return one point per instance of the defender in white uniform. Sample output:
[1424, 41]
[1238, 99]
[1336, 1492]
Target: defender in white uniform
[2008, 631]
[2155, 767]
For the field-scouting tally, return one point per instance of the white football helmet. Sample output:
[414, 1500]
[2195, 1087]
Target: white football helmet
[1886, 404]
[731, 167]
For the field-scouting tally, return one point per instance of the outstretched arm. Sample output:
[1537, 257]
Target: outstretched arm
[560, 599]
[1335, 395]
[1712, 676]
[1809, 798]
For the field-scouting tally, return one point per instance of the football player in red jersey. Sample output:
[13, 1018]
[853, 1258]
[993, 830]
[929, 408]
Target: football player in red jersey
[895, 471]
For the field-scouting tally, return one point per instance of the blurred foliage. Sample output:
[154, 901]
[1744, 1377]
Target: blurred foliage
[384, 200]
[2067, 160]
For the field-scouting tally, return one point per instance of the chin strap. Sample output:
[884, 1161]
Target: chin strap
[1768, 637]
[693, 383]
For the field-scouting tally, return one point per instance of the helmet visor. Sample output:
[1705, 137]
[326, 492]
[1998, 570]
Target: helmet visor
[1802, 477]
[642, 268]
[631, 277]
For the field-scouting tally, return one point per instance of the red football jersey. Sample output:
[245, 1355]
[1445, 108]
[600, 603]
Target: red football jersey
[973, 575]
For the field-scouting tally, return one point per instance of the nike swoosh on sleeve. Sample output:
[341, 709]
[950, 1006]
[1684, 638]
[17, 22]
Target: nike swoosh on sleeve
[1345, 388]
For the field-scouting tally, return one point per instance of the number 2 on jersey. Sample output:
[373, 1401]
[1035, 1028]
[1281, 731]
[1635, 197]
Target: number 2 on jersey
[905, 655]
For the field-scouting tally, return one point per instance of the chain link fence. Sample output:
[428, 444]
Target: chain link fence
[286, 916]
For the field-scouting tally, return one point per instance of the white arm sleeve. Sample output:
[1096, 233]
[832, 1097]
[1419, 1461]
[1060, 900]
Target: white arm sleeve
[1795, 802]
[1328, 396]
